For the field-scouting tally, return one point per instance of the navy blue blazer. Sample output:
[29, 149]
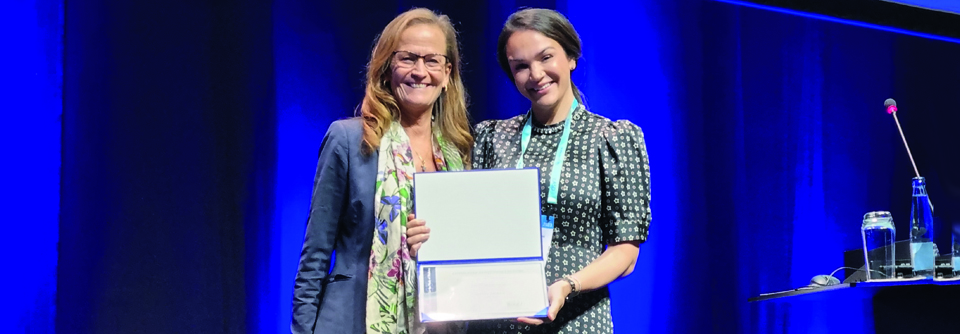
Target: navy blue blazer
[341, 219]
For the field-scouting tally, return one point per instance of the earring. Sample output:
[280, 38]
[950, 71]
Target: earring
[438, 106]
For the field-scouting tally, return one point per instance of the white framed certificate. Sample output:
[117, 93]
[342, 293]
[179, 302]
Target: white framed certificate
[484, 259]
[474, 291]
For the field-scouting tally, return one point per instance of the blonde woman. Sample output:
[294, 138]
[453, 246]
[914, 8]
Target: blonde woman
[413, 118]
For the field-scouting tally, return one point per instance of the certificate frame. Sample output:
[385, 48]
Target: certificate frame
[480, 263]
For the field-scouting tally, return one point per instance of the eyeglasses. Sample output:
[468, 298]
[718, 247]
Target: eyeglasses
[406, 59]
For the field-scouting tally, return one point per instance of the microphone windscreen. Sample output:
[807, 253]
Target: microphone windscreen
[890, 105]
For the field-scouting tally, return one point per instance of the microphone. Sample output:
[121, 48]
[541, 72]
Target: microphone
[891, 106]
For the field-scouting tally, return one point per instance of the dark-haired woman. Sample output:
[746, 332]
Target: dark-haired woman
[595, 182]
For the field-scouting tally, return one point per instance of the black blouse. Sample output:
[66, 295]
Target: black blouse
[604, 198]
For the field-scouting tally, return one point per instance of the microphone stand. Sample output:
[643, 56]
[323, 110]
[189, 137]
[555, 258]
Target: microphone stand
[893, 111]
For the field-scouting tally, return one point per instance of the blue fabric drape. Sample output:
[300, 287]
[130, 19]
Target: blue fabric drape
[191, 131]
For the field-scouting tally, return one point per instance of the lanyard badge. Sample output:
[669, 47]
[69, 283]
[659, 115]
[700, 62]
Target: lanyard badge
[547, 220]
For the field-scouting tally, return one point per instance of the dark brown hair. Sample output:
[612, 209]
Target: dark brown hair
[548, 22]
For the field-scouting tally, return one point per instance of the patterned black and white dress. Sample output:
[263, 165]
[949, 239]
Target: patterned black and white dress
[604, 198]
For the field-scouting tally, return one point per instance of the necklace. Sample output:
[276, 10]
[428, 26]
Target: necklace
[423, 166]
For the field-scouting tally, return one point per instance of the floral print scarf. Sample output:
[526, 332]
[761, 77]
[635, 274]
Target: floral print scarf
[392, 285]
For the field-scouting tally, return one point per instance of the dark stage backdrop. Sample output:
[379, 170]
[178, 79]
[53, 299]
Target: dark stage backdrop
[191, 130]
[168, 152]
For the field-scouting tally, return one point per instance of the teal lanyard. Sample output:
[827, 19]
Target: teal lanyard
[561, 150]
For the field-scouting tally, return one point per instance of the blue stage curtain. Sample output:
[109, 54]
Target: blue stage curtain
[191, 132]
[168, 153]
[31, 63]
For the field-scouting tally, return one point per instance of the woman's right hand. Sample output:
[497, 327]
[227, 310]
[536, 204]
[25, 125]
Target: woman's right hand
[417, 234]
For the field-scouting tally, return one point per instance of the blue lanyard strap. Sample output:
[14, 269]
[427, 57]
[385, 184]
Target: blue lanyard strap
[561, 150]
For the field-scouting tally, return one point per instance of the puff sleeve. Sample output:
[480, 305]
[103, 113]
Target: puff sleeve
[625, 184]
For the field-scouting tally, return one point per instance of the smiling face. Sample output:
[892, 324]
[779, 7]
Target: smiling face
[540, 69]
[417, 87]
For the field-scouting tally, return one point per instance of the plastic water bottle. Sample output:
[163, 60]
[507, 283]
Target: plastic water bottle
[956, 247]
[879, 235]
[922, 252]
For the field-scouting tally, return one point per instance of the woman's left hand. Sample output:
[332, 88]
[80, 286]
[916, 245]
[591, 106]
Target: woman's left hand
[557, 294]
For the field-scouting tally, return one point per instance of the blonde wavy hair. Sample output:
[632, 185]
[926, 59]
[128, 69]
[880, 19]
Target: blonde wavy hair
[380, 108]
